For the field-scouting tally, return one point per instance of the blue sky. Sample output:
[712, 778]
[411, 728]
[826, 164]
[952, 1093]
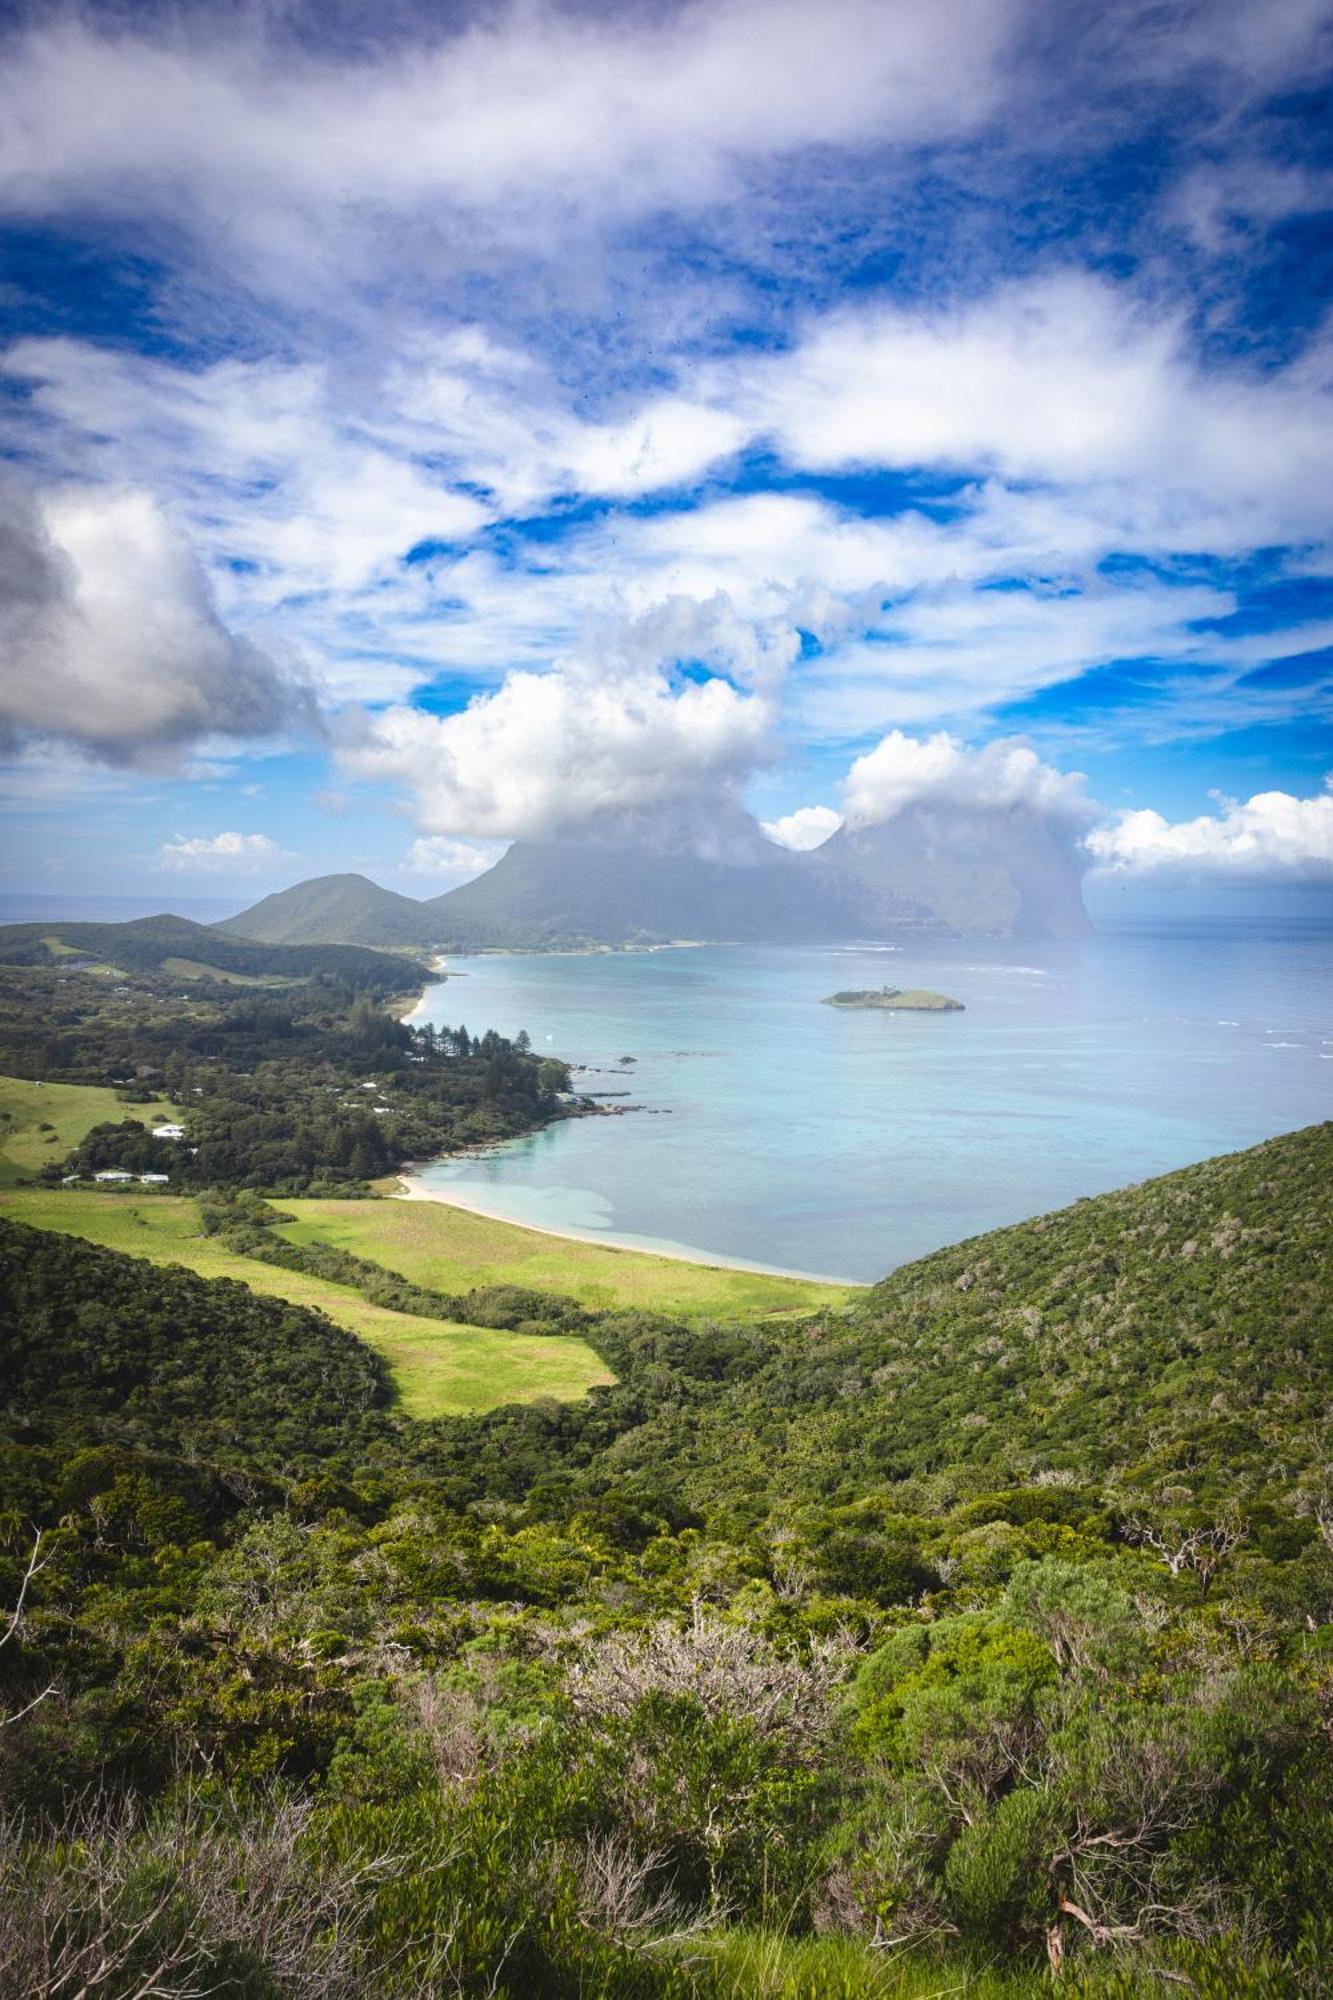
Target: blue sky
[432, 428]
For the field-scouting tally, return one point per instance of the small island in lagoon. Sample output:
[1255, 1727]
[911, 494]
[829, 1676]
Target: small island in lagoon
[897, 1000]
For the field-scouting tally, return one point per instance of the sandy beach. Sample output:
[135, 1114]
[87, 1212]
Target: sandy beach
[411, 1008]
[412, 1188]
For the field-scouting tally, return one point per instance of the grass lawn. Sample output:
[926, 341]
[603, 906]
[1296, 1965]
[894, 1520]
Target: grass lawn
[440, 1369]
[72, 1108]
[191, 968]
[452, 1250]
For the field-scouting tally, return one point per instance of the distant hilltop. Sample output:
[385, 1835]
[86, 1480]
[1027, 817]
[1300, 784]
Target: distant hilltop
[624, 883]
[898, 1000]
[188, 950]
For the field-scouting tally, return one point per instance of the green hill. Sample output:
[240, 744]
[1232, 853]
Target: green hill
[175, 944]
[1176, 1335]
[978, 1638]
[341, 909]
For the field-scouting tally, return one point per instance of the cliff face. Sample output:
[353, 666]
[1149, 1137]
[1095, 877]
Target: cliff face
[614, 892]
[999, 872]
[986, 873]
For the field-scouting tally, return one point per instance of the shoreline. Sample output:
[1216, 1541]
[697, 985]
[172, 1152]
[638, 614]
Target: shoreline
[412, 1188]
[402, 1011]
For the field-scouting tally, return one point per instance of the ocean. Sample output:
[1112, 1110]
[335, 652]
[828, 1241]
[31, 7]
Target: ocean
[769, 1129]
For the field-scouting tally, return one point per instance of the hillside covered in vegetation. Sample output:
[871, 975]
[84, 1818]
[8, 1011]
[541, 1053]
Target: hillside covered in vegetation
[979, 1633]
[177, 945]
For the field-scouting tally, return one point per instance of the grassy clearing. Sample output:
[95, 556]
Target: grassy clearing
[452, 1250]
[440, 1369]
[71, 1109]
[750, 1964]
[193, 968]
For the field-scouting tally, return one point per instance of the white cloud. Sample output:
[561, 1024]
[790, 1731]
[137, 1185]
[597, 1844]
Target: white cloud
[295, 166]
[807, 827]
[1068, 380]
[1092, 430]
[1272, 836]
[451, 860]
[549, 752]
[1219, 202]
[277, 470]
[501, 419]
[956, 651]
[112, 641]
[220, 854]
[906, 771]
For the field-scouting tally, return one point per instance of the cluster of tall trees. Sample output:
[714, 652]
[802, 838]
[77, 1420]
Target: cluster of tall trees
[290, 1089]
[980, 1635]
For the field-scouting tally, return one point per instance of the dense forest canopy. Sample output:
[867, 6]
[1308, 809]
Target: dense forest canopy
[299, 1086]
[979, 1632]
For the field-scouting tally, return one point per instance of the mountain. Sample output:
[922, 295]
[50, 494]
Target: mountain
[595, 891]
[175, 944]
[630, 881]
[1005, 871]
[344, 909]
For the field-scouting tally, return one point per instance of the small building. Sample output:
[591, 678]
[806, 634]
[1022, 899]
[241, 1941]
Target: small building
[154, 1180]
[168, 1131]
[118, 1174]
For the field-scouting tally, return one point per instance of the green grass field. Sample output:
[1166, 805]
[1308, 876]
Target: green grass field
[440, 1369]
[72, 1109]
[452, 1250]
[193, 968]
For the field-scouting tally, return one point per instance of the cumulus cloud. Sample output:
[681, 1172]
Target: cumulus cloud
[1271, 837]
[903, 772]
[111, 639]
[218, 854]
[1087, 426]
[281, 473]
[365, 510]
[450, 860]
[548, 753]
[807, 827]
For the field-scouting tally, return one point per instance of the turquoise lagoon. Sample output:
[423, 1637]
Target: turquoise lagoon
[772, 1130]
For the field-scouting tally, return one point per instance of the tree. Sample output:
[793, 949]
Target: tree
[1200, 1550]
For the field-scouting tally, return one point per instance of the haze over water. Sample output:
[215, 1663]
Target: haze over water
[844, 1143]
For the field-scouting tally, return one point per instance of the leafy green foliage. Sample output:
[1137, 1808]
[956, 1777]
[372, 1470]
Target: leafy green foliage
[991, 1622]
[99, 1346]
[307, 1086]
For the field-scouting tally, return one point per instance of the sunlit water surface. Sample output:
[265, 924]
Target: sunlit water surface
[778, 1131]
